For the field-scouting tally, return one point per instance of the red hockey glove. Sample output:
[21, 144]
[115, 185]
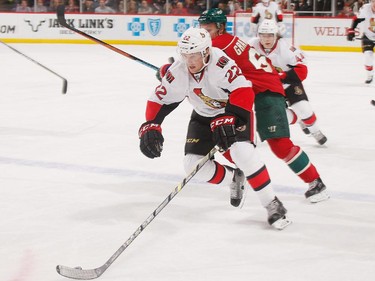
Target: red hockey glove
[160, 73]
[223, 129]
[151, 139]
[350, 35]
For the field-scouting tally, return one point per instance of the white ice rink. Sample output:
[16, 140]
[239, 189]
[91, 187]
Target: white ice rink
[74, 185]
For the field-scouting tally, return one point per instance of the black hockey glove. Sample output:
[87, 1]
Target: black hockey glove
[151, 139]
[163, 69]
[223, 129]
[351, 34]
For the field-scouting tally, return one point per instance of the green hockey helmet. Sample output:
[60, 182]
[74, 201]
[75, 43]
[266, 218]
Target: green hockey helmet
[214, 15]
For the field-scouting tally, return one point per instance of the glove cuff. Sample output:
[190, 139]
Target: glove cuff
[222, 120]
[147, 127]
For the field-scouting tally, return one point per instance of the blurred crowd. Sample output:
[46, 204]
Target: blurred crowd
[343, 8]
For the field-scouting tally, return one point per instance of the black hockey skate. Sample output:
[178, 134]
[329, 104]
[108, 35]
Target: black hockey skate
[369, 79]
[304, 128]
[319, 137]
[317, 191]
[277, 214]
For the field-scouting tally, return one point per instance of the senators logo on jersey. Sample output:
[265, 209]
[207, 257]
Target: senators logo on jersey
[209, 101]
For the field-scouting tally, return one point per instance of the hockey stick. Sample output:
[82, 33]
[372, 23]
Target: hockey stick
[87, 274]
[62, 21]
[361, 39]
[65, 82]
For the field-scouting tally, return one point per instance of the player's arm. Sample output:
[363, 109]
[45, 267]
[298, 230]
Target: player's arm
[351, 31]
[150, 132]
[296, 63]
[255, 16]
[224, 126]
[237, 110]
[296, 74]
[160, 104]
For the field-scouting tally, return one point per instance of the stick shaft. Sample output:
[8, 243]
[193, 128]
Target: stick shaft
[65, 82]
[62, 21]
[87, 274]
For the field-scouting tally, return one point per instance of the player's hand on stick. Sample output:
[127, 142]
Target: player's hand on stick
[223, 129]
[160, 73]
[350, 35]
[151, 139]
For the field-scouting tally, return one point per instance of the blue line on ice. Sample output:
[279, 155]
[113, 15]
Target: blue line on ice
[163, 177]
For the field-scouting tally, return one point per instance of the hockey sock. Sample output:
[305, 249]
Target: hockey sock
[300, 164]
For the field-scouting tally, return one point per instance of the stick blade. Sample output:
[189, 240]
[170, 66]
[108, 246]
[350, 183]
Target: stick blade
[65, 86]
[78, 273]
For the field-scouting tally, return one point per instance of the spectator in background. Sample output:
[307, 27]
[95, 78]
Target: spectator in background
[145, 8]
[120, 7]
[40, 8]
[234, 7]
[158, 6]
[23, 7]
[168, 7]
[357, 5]
[192, 8]
[103, 8]
[132, 7]
[346, 12]
[88, 6]
[179, 9]
[224, 7]
[72, 7]
[292, 8]
[53, 5]
[8, 5]
[304, 7]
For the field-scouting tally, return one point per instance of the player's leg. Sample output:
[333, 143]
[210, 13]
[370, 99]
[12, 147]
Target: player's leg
[270, 113]
[367, 49]
[198, 143]
[300, 104]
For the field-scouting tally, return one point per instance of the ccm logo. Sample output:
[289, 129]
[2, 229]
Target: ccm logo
[148, 127]
[222, 121]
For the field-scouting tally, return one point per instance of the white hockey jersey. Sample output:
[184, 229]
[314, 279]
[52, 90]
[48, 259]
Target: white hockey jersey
[269, 12]
[368, 25]
[283, 55]
[208, 91]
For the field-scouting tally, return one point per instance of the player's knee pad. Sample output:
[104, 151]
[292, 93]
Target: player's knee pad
[296, 93]
[246, 157]
[303, 109]
[205, 173]
[190, 161]
[281, 147]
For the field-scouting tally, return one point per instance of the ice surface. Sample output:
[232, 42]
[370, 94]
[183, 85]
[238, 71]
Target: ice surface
[74, 185]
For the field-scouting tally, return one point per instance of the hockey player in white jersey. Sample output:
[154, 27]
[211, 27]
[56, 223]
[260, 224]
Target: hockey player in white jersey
[267, 10]
[290, 62]
[222, 101]
[367, 16]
